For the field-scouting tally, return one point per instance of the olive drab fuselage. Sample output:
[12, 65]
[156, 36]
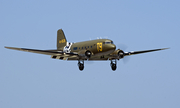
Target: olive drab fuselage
[97, 47]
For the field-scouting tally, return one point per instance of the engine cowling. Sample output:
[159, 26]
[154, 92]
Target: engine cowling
[121, 54]
[88, 53]
[118, 54]
[85, 54]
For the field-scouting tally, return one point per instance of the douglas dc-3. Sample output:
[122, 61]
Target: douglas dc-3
[99, 49]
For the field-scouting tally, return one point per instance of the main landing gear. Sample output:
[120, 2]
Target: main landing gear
[81, 64]
[113, 64]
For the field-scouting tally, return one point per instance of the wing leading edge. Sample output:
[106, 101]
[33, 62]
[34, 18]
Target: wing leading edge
[144, 51]
[46, 52]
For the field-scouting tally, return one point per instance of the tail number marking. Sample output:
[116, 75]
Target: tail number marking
[99, 46]
[62, 41]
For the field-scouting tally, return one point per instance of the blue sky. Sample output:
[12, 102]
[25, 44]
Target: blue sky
[32, 80]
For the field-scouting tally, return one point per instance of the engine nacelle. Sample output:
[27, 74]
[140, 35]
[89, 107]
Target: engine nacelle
[121, 54]
[85, 54]
[118, 54]
[88, 53]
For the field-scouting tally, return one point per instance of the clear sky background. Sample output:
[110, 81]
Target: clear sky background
[29, 80]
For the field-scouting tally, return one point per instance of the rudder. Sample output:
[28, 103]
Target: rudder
[61, 40]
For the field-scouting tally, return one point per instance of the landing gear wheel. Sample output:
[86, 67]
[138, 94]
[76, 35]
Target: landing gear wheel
[81, 65]
[113, 64]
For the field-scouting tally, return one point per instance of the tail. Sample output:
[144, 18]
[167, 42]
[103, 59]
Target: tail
[61, 40]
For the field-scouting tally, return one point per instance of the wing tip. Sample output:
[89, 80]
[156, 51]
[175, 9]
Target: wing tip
[6, 47]
[164, 48]
[14, 48]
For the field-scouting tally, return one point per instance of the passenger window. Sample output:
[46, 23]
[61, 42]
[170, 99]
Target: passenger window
[75, 48]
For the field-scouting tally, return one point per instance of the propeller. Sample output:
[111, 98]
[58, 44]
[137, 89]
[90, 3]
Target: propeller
[123, 47]
[89, 62]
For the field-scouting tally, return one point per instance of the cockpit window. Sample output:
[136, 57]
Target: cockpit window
[108, 42]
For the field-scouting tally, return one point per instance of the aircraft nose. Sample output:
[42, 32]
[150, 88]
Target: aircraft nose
[112, 46]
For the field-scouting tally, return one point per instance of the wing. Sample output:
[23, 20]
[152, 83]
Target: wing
[115, 55]
[140, 52]
[54, 53]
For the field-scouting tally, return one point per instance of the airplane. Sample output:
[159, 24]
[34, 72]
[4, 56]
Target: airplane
[99, 49]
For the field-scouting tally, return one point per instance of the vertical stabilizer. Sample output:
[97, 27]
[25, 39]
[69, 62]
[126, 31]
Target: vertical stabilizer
[61, 40]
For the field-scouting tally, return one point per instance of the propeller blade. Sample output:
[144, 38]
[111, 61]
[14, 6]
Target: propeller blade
[89, 62]
[126, 59]
[122, 46]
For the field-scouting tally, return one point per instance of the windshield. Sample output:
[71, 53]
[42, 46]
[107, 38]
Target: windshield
[108, 42]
